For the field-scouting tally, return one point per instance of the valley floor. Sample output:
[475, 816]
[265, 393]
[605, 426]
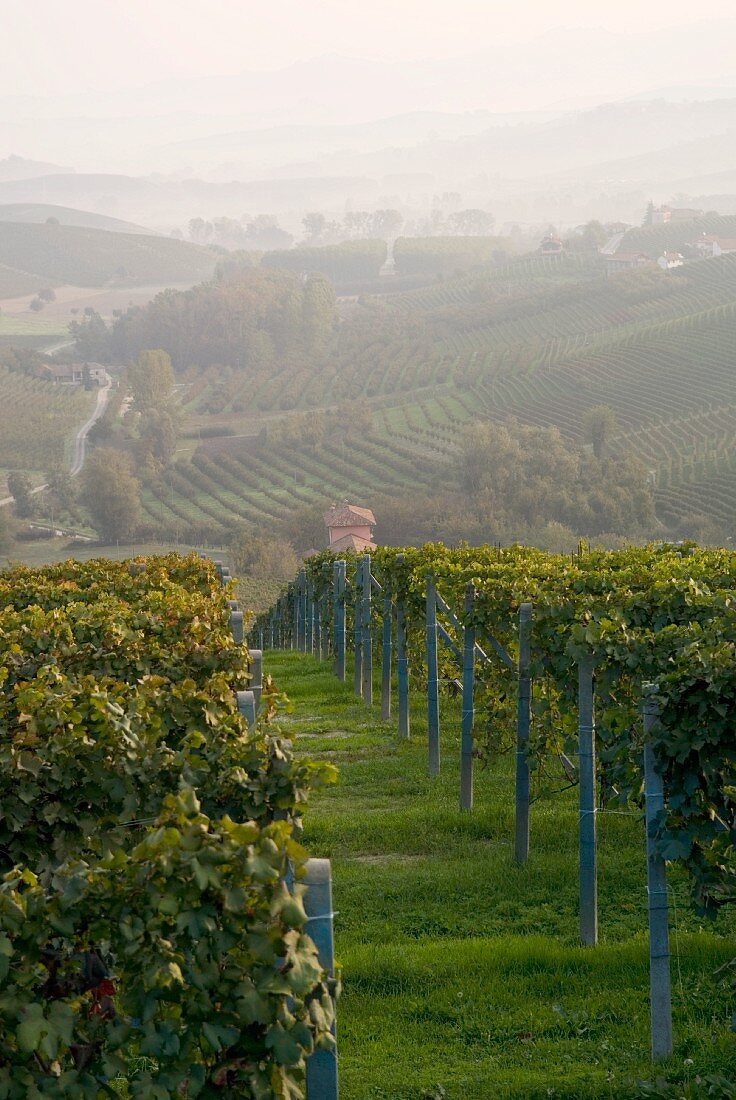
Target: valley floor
[462, 974]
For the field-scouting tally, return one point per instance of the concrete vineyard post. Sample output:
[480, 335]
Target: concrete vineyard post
[236, 626]
[246, 701]
[468, 706]
[322, 1078]
[386, 659]
[523, 717]
[587, 806]
[433, 693]
[295, 615]
[338, 617]
[256, 675]
[367, 637]
[660, 995]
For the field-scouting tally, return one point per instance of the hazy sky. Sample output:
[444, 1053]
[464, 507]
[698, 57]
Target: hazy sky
[52, 47]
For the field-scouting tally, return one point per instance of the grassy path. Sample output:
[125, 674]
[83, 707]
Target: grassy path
[462, 974]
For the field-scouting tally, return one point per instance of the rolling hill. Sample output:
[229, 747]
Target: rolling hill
[539, 339]
[57, 254]
[37, 213]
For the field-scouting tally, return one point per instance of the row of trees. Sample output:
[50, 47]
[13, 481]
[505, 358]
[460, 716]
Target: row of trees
[247, 319]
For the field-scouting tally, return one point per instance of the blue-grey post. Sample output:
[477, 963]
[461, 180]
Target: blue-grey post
[523, 720]
[358, 630]
[402, 668]
[587, 807]
[367, 636]
[295, 618]
[271, 627]
[322, 1083]
[433, 682]
[303, 610]
[308, 617]
[659, 941]
[256, 675]
[325, 643]
[386, 659]
[316, 627]
[468, 708]
[338, 617]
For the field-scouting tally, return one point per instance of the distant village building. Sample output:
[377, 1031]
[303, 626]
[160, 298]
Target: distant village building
[350, 528]
[551, 246]
[668, 260]
[73, 374]
[627, 261]
[661, 215]
[710, 246]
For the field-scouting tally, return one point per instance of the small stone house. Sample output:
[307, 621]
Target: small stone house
[350, 528]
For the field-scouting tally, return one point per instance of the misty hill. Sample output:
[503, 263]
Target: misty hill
[540, 339]
[19, 168]
[60, 254]
[38, 213]
[171, 202]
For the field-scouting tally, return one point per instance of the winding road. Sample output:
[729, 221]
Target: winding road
[80, 440]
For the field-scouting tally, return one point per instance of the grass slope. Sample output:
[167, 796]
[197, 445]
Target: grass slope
[462, 971]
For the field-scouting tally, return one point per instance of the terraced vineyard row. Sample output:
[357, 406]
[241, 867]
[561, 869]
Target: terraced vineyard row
[38, 419]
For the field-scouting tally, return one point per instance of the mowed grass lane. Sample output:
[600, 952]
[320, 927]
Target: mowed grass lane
[462, 973]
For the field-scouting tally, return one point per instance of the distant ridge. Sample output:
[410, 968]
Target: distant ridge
[37, 213]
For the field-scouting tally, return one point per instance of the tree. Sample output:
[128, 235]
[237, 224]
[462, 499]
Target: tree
[47, 294]
[151, 380]
[314, 226]
[263, 558]
[37, 305]
[649, 214]
[470, 223]
[387, 223]
[599, 424]
[19, 487]
[6, 538]
[111, 494]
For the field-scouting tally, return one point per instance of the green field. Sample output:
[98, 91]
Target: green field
[462, 977]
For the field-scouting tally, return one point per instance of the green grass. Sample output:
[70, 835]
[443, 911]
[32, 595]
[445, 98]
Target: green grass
[462, 970]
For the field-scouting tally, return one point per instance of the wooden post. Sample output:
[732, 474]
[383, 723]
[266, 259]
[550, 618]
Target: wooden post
[587, 806]
[523, 720]
[468, 707]
[386, 659]
[402, 668]
[433, 685]
[367, 637]
[322, 1080]
[338, 617]
[660, 995]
